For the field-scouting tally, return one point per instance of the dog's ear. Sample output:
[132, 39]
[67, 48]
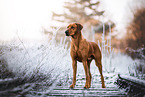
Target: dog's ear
[79, 26]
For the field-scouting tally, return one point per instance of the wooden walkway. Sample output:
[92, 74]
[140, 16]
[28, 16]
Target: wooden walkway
[111, 89]
[92, 92]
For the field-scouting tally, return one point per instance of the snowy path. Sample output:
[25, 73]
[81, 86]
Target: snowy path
[62, 91]
[95, 90]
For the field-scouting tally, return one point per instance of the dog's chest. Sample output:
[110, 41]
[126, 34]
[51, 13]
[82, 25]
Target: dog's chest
[80, 51]
[78, 56]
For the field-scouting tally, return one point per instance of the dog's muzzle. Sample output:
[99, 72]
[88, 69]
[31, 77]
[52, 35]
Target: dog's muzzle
[66, 32]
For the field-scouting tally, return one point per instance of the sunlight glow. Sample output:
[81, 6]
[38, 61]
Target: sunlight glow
[26, 17]
[118, 12]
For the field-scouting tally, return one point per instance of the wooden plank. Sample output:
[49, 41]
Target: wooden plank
[133, 79]
[62, 91]
[90, 89]
[84, 91]
[85, 95]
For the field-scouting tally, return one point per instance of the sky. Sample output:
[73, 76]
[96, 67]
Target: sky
[27, 17]
[117, 11]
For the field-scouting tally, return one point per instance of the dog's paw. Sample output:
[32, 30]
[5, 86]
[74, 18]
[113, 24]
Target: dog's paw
[86, 86]
[72, 86]
[103, 86]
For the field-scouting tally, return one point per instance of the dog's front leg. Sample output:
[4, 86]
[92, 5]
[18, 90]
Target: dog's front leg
[74, 65]
[87, 85]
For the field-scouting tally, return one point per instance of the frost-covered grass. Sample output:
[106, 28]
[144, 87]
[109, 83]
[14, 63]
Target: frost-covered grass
[42, 63]
[39, 57]
[118, 62]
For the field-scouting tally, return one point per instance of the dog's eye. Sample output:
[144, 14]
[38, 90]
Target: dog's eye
[72, 27]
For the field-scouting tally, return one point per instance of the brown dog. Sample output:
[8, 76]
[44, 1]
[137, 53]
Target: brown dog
[83, 51]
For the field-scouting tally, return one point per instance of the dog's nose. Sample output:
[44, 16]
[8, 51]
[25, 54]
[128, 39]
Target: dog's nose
[66, 32]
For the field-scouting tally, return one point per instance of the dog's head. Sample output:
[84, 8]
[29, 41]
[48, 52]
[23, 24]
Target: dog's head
[73, 28]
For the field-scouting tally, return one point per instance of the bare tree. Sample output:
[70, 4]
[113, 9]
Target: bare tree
[82, 11]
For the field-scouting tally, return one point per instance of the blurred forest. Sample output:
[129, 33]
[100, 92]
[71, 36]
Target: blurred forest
[85, 12]
[88, 14]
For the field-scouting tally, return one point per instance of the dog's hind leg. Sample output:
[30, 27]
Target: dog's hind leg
[86, 68]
